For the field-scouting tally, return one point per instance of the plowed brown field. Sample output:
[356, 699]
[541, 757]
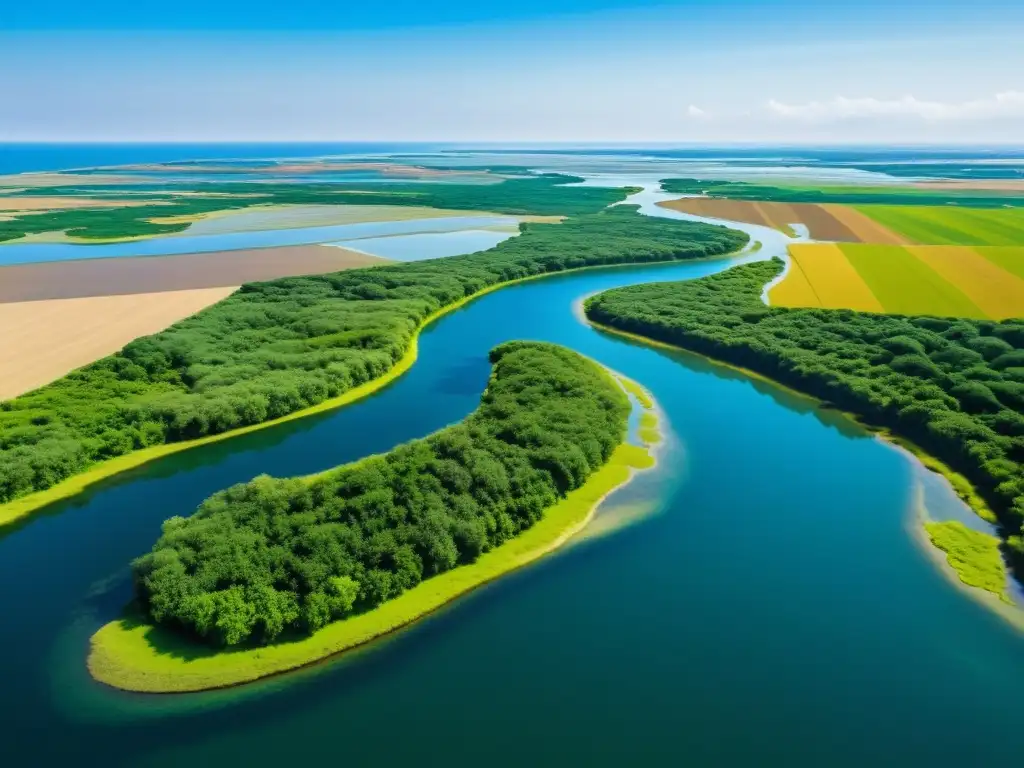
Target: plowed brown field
[837, 223]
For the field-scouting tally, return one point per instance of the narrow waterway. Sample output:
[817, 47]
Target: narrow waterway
[766, 605]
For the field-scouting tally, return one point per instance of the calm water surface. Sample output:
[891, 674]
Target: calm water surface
[772, 610]
[25, 253]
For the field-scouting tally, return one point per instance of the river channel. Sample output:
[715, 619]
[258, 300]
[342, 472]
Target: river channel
[757, 599]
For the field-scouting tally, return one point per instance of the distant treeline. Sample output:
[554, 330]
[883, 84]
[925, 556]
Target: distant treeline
[546, 194]
[276, 556]
[848, 195]
[275, 348]
[954, 387]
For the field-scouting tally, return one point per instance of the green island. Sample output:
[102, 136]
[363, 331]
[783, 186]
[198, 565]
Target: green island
[287, 348]
[275, 574]
[543, 194]
[949, 387]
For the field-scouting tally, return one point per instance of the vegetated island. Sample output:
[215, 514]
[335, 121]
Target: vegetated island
[287, 348]
[275, 574]
[949, 389]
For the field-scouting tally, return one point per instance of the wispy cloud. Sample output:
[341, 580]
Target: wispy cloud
[696, 112]
[1001, 105]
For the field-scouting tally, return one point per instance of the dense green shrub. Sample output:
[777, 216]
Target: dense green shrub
[948, 385]
[270, 556]
[275, 348]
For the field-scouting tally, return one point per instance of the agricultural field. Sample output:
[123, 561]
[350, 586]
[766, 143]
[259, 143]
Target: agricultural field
[959, 281]
[828, 221]
[43, 340]
[949, 225]
[59, 316]
[177, 272]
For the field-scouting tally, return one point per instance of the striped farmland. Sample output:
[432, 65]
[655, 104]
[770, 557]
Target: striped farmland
[977, 282]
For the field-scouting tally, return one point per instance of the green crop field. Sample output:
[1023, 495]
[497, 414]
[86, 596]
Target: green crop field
[940, 280]
[949, 225]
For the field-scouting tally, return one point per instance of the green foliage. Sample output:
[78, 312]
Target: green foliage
[275, 348]
[973, 555]
[946, 384]
[547, 194]
[272, 556]
[877, 195]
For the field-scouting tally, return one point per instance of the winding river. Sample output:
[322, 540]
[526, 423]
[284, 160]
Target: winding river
[758, 599]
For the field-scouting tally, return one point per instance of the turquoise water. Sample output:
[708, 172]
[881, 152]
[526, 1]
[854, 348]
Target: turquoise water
[773, 609]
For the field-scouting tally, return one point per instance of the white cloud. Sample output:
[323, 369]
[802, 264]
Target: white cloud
[696, 112]
[1008, 104]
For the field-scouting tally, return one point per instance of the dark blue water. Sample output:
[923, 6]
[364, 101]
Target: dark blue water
[774, 610]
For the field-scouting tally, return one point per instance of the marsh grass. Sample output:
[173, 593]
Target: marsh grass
[975, 556]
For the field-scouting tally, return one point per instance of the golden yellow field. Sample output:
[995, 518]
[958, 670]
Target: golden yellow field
[961, 281]
[43, 340]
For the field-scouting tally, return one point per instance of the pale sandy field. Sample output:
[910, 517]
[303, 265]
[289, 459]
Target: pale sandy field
[63, 203]
[43, 340]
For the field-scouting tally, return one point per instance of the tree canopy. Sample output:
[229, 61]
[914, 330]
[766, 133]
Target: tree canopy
[274, 348]
[276, 556]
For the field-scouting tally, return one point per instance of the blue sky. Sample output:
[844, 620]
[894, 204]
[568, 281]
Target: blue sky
[555, 71]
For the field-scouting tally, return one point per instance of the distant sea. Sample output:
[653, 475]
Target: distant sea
[21, 158]
[958, 162]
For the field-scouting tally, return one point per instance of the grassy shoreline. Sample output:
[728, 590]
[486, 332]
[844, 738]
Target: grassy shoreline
[134, 656]
[20, 508]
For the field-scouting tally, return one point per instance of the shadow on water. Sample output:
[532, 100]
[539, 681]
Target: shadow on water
[787, 398]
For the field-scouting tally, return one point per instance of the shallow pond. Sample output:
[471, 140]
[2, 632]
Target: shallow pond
[23, 253]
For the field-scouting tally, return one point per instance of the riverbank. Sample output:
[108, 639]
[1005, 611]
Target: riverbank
[20, 508]
[950, 544]
[131, 655]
